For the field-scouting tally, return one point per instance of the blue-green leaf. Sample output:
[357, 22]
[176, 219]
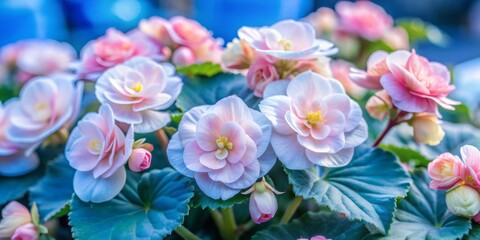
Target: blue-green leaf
[474, 233]
[456, 136]
[207, 91]
[366, 189]
[423, 214]
[148, 207]
[329, 225]
[204, 201]
[407, 155]
[54, 191]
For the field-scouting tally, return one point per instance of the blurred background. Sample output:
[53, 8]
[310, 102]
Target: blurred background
[78, 21]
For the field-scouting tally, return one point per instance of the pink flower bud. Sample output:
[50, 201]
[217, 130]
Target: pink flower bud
[379, 105]
[26, 232]
[183, 56]
[445, 171]
[263, 204]
[315, 238]
[139, 160]
[426, 129]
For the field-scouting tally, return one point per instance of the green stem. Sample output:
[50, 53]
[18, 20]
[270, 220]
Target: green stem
[291, 210]
[245, 227]
[186, 234]
[218, 219]
[230, 224]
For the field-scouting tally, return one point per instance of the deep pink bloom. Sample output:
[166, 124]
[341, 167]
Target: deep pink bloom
[315, 238]
[26, 232]
[417, 85]
[315, 123]
[115, 48]
[445, 171]
[14, 215]
[363, 18]
[376, 68]
[287, 39]
[259, 75]
[139, 160]
[137, 89]
[98, 150]
[225, 147]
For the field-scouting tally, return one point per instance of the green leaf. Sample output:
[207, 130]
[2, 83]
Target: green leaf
[206, 69]
[456, 136]
[461, 114]
[204, 201]
[54, 191]
[407, 155]
[198, 92]
[423, 214]
[474, 233]
[15, 187]
[419, 30]
[366, 189]
[150, 207]
[34, 214]
[329, 225]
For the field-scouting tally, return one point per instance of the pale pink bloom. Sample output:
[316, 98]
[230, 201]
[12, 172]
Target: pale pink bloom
[379, 105]
[341, 71]
[471, 161]
[26, 232]
[44, 57]
[316, 123]
[363, 18]
[417, 85]
[320, 65]
[397, 38]
[139, 160]
[187, 32]
[98, 150]
[183, 56]
[259, 75]
[209, 51]
[324, 21]
[137, 89]
[427, 129]
[315, 238]
[45, 105]
[445, 171]
[263, 203]
[291, 40]
[157, 28]
[376, 68]
[9, 53]
[225, 147]
[14, 215]
[237, 55]
[115, 48]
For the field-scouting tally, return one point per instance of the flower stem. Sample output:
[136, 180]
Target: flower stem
[186, 234]
[162, 139]
[230, 225]
[245, 227]
[391, 123]
[292, 207]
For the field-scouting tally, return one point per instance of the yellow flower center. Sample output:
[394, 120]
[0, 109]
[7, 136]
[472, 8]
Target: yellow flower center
[95, 146]
[286, 44]
[223, 146]
[40, 106]
[137, 87]
[314, 117]
[446, 170]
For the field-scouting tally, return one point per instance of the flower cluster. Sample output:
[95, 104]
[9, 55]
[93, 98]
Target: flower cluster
[461, 179]
[280, 51]
[410, 88]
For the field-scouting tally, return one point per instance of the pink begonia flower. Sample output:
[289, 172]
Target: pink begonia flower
[427, 129]
[376, 68]
[291, 40]
[379, 105]
[445, 171]
[320, 65]
[98, 150]
[259, 75]
[115, 48]
[225, 147]
[324, 21]
[314, 122]
[315, 238]
[13, 159]
[187, 32]
[471, 161]
[26, 232]
[397, 38]
[45, 105]
[137, 89]
[139, 160]
[157, 28]
[14, 215]
[364, 19]
[341, 71]
[237, 55]
[183, 56]
[209, 51]
[263, 203]
[417, 85]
